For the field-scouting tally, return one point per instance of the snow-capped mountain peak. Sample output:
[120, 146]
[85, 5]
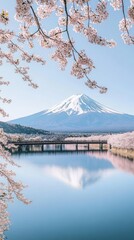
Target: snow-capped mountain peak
[79, 104]
[79, 113]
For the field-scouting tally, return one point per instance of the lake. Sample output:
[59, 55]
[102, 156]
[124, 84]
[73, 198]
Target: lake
[78, 196]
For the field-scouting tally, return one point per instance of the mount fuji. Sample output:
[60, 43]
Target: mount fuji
[79, 113]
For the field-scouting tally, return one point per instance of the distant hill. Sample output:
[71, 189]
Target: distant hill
[16, 128]
[79, 113]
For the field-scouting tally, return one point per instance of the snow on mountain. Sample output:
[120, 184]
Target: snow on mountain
[79, 113]
[79, 104]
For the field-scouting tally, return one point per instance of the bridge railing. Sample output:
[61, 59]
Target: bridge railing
[63, 145]
[58, 142]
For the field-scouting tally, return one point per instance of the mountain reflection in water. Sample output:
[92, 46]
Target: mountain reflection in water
[86, 173]
[79, 174]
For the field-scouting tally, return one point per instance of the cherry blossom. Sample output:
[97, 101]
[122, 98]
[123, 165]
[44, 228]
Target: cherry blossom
[116, 4]
[124, 140]
[68, 16]
[125, 23]
[9, 187]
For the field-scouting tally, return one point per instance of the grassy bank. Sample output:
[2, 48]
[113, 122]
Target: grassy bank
[124, 152]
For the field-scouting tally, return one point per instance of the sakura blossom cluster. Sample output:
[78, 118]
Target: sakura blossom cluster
[116, 4]
[2, 99]
[78, 15]
[82, 66]
[125, 140]
[4, 218]
[128, 19]
[122, 140]
[9, 187]
[62, 16]
[4, 18]
[14, 54]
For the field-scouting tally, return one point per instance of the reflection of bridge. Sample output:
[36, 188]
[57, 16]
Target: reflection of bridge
[60, 145]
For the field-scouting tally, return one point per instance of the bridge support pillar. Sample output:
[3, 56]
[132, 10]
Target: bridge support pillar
[42, 148]
[101, 147]
[27, 148]
[61, 147]
[77, 147]
[88, 147]
[20, 148]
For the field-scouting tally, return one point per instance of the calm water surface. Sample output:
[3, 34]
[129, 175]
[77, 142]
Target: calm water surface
[74, 197]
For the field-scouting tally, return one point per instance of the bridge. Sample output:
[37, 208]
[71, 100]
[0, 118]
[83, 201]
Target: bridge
[60, 145]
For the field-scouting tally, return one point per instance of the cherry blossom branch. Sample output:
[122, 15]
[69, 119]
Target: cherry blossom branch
[3, 113]
[40, 30]
[74, 50]
[88, 15]
[22, 71]
[15, 187]
[5, 100]
[125, 21]
[89, 83]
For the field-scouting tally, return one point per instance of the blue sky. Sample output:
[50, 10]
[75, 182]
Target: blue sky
[114, 69]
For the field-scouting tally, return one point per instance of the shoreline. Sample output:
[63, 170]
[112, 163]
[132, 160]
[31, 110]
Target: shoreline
[123, 152]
